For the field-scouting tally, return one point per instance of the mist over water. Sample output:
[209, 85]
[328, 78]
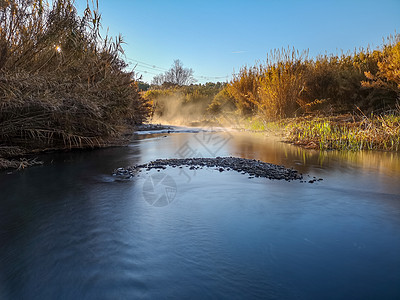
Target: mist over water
[174, 110]
[68, 229]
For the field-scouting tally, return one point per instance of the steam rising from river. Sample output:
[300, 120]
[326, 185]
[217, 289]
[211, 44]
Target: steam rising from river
[174, 110]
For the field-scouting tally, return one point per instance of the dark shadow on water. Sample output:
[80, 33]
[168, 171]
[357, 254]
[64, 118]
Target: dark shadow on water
[68, 230]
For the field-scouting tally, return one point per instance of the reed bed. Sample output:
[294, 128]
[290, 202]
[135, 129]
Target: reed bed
[62, 85]
[18, 164]
[290, 84]
[289, 91]
[352, 133]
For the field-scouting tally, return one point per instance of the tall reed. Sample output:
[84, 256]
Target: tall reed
[281, 81]
[381, 132]
[289, 83]
[62, 85]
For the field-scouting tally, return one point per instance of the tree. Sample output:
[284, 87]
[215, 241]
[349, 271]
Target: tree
[143, 86]
[177, 75]
[158, 79]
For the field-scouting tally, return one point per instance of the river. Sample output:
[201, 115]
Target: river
[71, 230]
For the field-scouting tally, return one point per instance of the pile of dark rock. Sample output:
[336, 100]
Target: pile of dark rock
[149, 127]
[252, 167]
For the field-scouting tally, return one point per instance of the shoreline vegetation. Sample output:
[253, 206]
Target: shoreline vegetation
[331, 102]
[62, 85]
[345, 132]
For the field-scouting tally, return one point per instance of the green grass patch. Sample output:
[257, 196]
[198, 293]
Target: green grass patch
[365, 133]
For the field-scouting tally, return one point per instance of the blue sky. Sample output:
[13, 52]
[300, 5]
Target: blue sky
[216, 38]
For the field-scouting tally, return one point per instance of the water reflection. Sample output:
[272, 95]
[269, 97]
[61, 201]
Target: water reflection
[68, 230]
[366, 170]
[272, 149]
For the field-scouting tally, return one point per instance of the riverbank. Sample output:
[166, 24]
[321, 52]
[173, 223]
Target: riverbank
[347, 132]
[62, 86]
[13, 157]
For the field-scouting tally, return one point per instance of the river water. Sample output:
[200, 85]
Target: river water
[71, 230]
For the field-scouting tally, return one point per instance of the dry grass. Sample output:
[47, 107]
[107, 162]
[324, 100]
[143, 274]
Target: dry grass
[289, 84]
[61, 84]
[381, 132]
[20, 164]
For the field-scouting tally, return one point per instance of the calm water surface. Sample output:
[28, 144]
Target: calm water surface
[70, 230]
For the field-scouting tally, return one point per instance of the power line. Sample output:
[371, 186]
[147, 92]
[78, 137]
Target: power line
[212, 77]
[146, 65]
[152, 67]
[148, 68]
[146, 72]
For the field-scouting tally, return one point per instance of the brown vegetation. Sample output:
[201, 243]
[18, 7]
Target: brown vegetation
[174, 104]
[365, 85]
[290, 84]
[346, 132]
[61, 84]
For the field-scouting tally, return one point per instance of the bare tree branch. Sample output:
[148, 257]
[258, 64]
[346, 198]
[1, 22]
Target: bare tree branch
[177, 75]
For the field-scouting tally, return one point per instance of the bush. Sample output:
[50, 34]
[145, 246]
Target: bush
[385, 81]
[222, 102]
[182, 104]
[61, 84]
[289, 83]
[281, 82]
[244, 90]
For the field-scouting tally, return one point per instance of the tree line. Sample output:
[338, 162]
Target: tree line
[290, 84]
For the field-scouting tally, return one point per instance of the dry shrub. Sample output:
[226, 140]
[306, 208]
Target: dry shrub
[271, 89]
[281, 82]
[289, 83]
[244, 89]
[176, 104]
[222, 103]
[61, 84]
[385, 80]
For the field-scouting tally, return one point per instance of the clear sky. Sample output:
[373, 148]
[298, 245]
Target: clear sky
[216, 38]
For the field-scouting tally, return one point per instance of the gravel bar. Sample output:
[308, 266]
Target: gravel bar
[252, 167]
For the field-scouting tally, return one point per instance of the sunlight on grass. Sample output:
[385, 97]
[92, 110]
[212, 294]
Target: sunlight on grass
[372, 133]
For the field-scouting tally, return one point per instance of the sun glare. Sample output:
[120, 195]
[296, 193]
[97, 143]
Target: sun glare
[58, 48]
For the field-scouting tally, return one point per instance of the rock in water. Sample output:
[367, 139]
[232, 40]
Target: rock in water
[252, 167]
